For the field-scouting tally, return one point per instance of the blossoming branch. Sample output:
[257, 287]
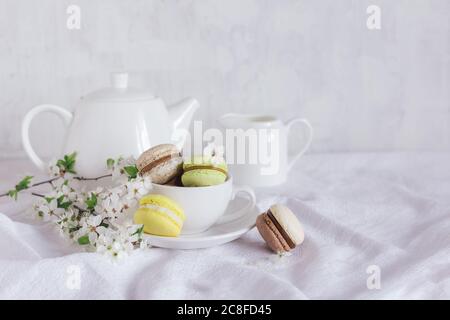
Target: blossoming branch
[98, 219]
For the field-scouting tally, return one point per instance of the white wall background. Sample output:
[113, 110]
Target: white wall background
[361, 89]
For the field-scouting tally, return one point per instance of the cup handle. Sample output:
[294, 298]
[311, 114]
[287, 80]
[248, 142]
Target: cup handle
[239, 213]
[290, 123]
[65, 115]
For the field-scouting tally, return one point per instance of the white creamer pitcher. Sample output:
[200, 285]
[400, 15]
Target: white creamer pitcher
[257, 148]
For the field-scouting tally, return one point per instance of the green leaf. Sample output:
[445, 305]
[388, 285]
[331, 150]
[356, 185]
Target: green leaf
[91, 202]
[13, 194]
[139, 231]
[83, 240]
[67, 164]
[24, 183]
[63, 204]
[49, 199]
[61, 164]
[75, 229]
[70, 162]
[131, 171]
[109, 163]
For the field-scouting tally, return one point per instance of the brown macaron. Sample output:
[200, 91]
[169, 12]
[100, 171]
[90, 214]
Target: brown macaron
[280, 228]
[162, 163]
[176, 182]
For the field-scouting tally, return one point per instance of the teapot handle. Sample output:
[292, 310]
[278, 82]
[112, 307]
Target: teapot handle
[65, 115]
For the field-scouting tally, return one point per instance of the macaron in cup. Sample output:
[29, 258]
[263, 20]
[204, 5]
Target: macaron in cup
[202, 171]
[162, 163]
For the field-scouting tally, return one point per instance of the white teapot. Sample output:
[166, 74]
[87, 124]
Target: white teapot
[113, 122]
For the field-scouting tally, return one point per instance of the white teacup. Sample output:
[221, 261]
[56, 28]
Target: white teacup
[205, 206]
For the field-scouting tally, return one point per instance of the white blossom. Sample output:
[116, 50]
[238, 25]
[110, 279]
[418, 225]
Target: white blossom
[69, 193]
[114, 244]
[92, 228]
[47, 209]
[102, 215]
[218, 157]
[68, 222]
[138, 188]
[144, 244]
[214, 153]
[53, 169]
[117, 169]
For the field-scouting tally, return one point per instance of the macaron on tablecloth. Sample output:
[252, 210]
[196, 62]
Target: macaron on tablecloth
[363, 215]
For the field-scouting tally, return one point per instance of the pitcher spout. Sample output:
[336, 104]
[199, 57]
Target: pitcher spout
[181, 114]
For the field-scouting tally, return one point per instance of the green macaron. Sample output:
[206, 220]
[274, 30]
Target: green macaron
[200, 171]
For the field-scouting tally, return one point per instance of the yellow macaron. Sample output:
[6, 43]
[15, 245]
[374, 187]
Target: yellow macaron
[160, 215]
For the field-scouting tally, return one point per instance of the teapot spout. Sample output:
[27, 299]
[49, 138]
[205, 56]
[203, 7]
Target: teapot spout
[181, 114]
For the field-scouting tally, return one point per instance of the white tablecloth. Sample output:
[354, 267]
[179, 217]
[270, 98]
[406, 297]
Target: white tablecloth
[358, 210]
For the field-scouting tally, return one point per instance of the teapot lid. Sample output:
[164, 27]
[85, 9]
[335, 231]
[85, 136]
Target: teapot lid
[119, 91]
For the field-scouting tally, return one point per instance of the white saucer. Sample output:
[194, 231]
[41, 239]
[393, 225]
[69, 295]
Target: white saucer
[216, 235]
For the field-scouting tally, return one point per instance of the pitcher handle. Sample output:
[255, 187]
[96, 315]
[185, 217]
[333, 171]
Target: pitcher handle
[65, 115]
[290, 123]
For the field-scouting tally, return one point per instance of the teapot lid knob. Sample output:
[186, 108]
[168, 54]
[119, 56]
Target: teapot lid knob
[119, 80]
